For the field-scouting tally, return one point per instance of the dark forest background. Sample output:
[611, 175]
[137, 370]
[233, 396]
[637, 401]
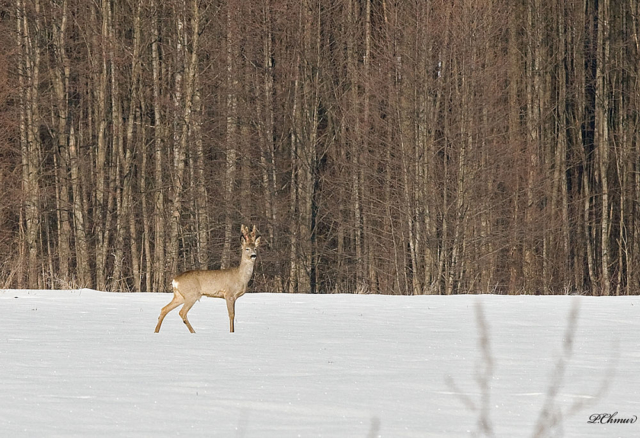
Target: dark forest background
[380, 146]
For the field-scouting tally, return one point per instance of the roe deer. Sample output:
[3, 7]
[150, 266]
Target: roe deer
[229, 284]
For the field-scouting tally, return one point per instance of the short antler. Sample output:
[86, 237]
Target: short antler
[249, 237]
[245, 233]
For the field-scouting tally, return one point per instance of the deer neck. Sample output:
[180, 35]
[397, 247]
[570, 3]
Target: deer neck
[246, 269]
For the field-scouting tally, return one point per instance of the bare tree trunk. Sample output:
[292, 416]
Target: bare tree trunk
[404, 110]
[128, 158]
[69, 157]
[159, 265]
[183, 104]
[232, 129]
[29, 50]
[293, 189]
[82, 250]
[515, 67]
[601, 138]
[534, 95]
[415, 290]
[366, 62]
[444, 240]
[144, 191]
[429, 189]
[356, 145]
[178, 152]
[307, 152]
[583, 254]
[561, 152]
[117, 279]
[458, 239]
[633, 283]
[202, 216]
[62, 211]
[61, 86]
[100, 212]
[267, 149]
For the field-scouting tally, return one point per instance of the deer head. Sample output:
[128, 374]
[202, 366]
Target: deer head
[249, 243]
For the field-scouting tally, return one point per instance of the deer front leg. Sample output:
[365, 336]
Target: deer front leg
[231, 308]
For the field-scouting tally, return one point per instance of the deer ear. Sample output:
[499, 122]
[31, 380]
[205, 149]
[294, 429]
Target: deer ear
[257, 241]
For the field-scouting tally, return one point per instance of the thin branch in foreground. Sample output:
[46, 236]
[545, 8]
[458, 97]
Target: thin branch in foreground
[484, 374]
[551, 414]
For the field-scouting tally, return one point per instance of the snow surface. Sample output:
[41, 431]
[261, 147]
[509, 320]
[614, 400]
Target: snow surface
[87, 364]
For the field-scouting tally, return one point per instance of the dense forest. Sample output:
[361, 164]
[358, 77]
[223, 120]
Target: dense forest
[380, 146]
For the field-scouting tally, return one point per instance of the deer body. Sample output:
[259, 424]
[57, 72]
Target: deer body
[229, 284]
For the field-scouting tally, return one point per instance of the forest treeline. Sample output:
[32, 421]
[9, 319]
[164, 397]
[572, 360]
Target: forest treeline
[380, 146]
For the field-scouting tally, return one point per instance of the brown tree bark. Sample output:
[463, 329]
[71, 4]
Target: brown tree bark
[232, 129]
[159, 261]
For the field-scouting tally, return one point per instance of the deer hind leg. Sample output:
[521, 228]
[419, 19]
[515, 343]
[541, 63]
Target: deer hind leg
[231, 308]
[175, 302]
[183, 314]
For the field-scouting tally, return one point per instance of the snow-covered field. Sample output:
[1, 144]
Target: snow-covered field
[87, 364]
